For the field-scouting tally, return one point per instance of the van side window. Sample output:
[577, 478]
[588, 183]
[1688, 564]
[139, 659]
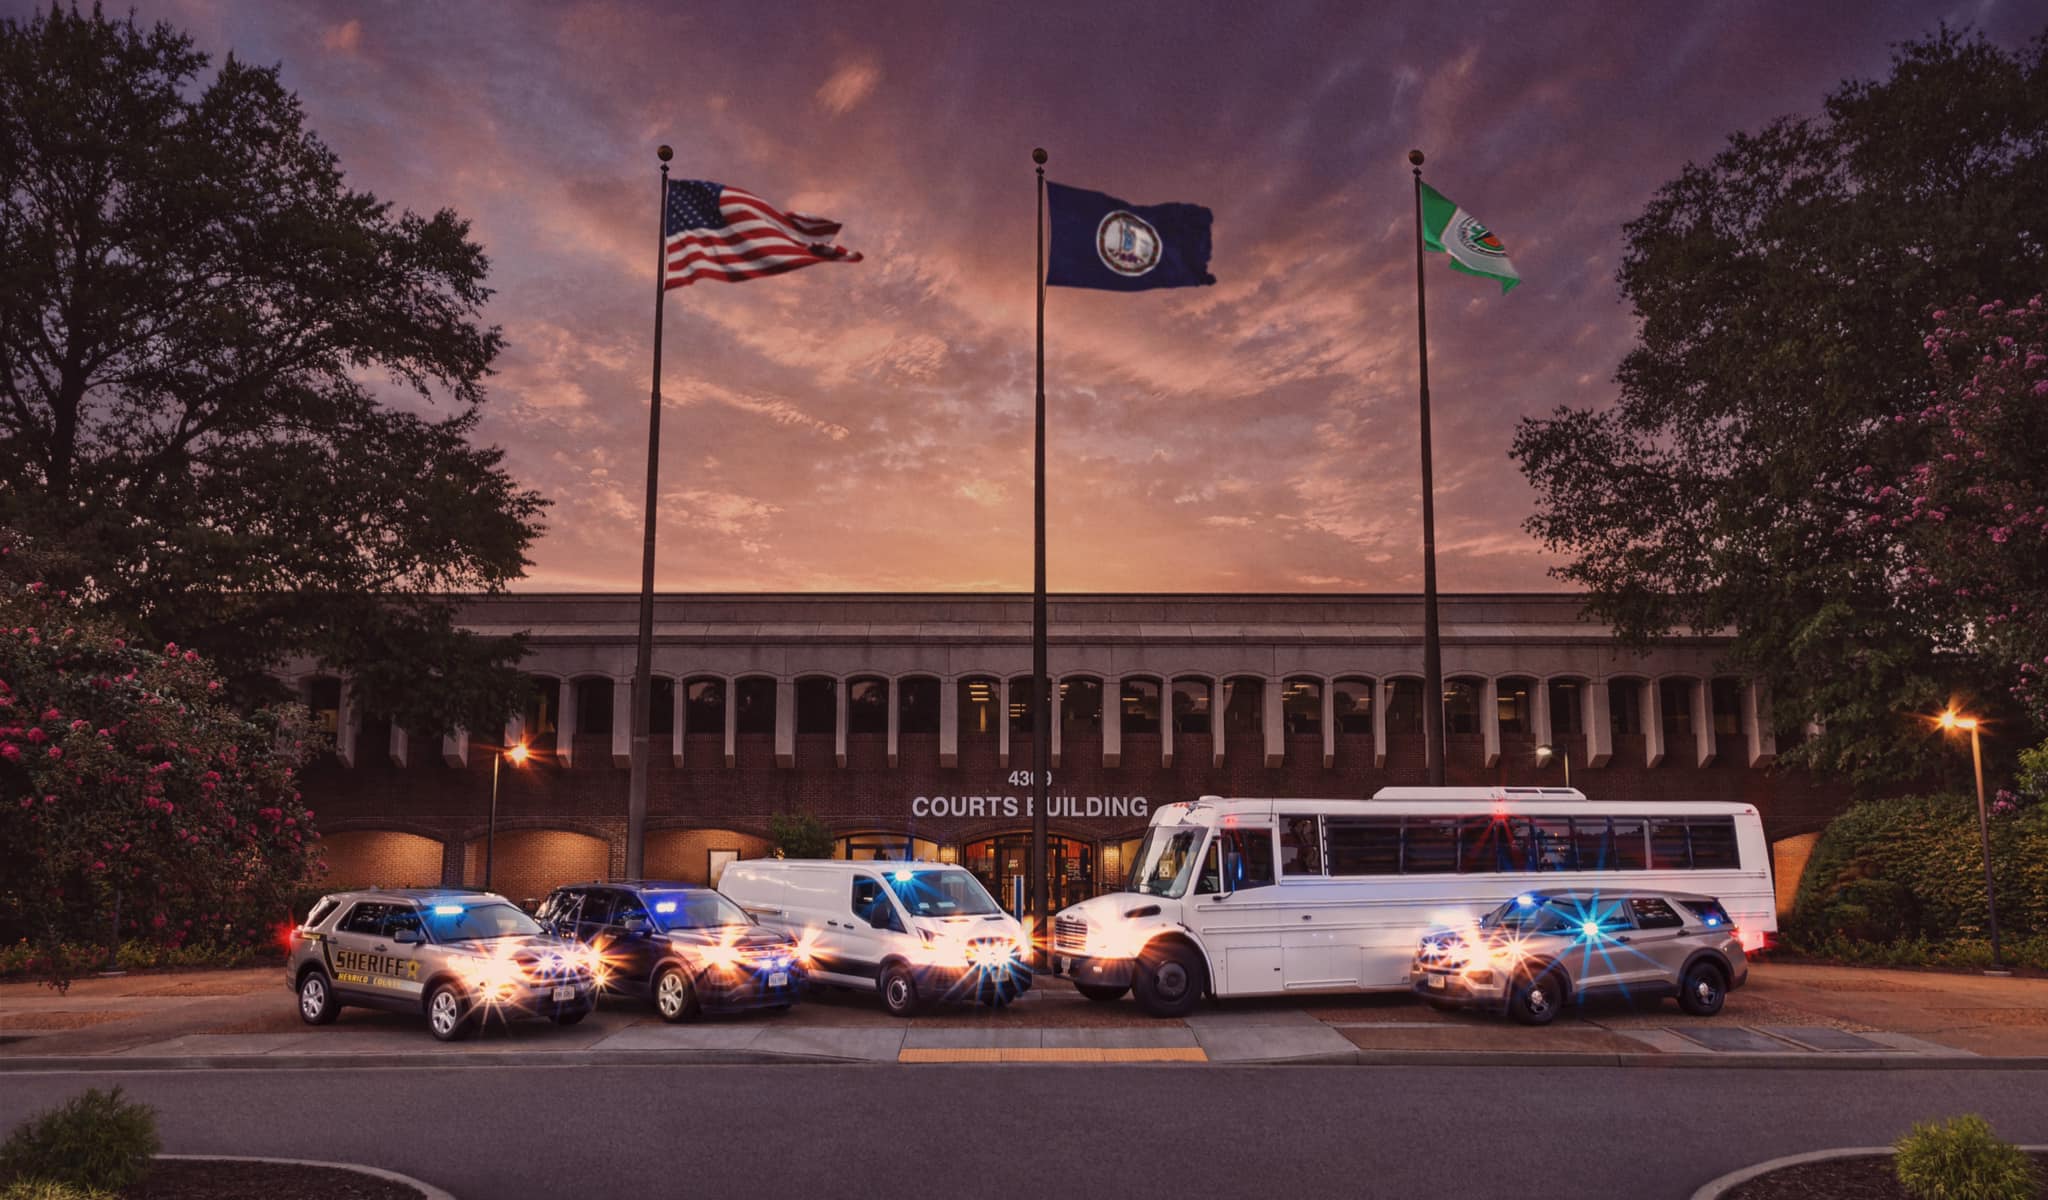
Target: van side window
[870, 898]
[1301, 846]
[1247, 860]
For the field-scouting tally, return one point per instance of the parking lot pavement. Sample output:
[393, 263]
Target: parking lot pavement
[1788, 1012]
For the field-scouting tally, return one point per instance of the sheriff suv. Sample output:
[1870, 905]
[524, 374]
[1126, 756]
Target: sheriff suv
[457, 957]
[1545, 949]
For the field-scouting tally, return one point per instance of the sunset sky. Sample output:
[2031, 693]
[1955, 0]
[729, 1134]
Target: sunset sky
[868, 427]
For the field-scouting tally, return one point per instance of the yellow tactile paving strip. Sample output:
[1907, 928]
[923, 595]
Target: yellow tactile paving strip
[1044, 1054]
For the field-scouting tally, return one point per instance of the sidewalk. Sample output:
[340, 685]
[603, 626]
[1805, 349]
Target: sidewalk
[1788, 1015]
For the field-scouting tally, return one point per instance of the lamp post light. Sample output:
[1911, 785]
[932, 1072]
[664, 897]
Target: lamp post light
[518, 756]
[1951, 720]
[1545, 753]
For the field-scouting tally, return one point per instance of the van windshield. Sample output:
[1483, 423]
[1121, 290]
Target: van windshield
[1165, 860]
[948, 892]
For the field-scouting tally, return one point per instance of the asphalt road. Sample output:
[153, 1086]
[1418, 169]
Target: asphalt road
[488, 1133]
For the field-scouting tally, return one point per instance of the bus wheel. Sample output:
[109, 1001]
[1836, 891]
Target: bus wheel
[1102, 993]
[1169, 981]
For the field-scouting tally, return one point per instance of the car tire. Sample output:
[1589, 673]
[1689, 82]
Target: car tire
[317, 1003]
[1170, 980]
[1536, 996]
[899, 990]
[449, 1017]
[1103, 993]
[1702, 990]
[675, 998]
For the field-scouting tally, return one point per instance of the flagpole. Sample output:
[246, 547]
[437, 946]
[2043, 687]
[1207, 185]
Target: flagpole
[1432, 648]
[643, 671]
[1041, 716]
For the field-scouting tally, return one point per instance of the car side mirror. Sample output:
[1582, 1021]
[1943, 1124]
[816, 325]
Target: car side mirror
[407, 937]
[635, 926]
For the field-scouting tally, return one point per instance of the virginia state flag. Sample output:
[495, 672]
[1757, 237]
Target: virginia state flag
[1098, 241]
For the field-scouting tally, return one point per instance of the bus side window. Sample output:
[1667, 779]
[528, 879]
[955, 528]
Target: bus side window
[1301, 846]
[1713, 843]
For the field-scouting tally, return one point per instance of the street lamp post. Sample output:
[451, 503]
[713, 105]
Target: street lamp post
[518, 755]
[1544, 755]
[1949, 720]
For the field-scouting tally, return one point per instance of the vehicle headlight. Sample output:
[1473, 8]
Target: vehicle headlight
[492, 974]
[722, 955]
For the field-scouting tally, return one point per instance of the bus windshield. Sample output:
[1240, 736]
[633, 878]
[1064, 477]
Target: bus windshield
[1165, 860]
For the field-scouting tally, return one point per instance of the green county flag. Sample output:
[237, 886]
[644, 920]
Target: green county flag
[1451, 230]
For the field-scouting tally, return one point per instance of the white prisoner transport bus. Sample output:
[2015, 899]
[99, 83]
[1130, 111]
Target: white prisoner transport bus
[1232, 897]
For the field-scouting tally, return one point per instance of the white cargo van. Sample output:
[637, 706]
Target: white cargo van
[914, 932]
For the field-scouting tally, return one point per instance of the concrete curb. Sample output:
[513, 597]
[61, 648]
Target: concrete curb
[427, 1191]
[1716, 1188]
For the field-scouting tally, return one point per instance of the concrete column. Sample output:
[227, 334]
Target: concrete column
[1165, 722]
[401, 746]
[622, 721]
[895, 715]
[1384, 689]
[455, 747]
[1053, 706]
[1003, 719]
[679, 722]
[1112, 720]
[1489, 720]
[1757, 725]
[1704, 744]
[839, 724]
[1216, 721]
[1539, 712]
[1653, 723]
[949, 722]
[347, 722]
[1599, 725]
[732, 722]
[1274, 721]
[785, 722]
[565, 723]
[1329, 723]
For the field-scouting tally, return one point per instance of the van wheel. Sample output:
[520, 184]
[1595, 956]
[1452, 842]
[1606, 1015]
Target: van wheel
[674, 998]
[1703, 990]
[1102, 993]
[899, 990]
[317, 1005]
[447, 1016]
[1536, 997]
[1169, 982]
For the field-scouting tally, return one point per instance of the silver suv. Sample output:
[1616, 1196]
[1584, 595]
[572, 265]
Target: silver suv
[1545, 949]
[456, 956]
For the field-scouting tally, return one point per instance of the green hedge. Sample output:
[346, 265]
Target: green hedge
[1911, 870]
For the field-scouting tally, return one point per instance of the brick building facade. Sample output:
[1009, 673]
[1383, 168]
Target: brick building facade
[900, 721]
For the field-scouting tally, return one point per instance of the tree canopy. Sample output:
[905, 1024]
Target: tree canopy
[1783, 292]
[237, 395]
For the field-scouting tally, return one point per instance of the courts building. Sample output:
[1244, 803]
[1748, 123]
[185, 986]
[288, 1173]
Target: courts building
[901, 722]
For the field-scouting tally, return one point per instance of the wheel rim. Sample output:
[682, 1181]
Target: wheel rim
[1539, 999]
[899, 992]
[312, 996]
[1170, 980]
[1705, 990]
[444, 1012]
[669, 995]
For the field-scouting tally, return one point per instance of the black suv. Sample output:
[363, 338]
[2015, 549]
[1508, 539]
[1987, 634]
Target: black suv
[683, 946]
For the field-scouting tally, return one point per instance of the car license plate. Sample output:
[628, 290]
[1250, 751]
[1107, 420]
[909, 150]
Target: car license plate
[1066, 964]
[778, 979]
[1436, 981]
[565, 992]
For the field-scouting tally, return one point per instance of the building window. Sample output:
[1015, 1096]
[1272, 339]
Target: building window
[1191, 697]
[323, 697]
[538, 720]
[1674, 696]
[867, 706]
[980, 706]
[1404, 706]
[1727, 698]
[1461, 706]
[1566, 711]
[1625, 706]
[1080, 707]
[917, 705]
[1515, 714]
[661, 706]
[753, 702]
[1244, 704]
[868, 847]
[817, 705]
[1301, 706]
[593, 706]
[1353, 704]
[1140, 706]
[1021, 716]
[704, 706]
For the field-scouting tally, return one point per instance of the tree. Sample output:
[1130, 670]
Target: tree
[1782, 293]
[131, 791]
[219, 370]
[799, 835]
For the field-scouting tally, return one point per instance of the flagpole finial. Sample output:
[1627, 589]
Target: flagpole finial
[1415, 156]
[1039, 156]
[664, 153]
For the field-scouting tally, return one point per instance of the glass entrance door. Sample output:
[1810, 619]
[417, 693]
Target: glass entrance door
[1002, 863]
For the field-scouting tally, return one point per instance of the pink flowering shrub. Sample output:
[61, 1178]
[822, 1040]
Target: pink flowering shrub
[1972, 515]
[125, 780]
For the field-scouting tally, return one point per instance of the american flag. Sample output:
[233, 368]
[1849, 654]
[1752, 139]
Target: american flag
[712, 231]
